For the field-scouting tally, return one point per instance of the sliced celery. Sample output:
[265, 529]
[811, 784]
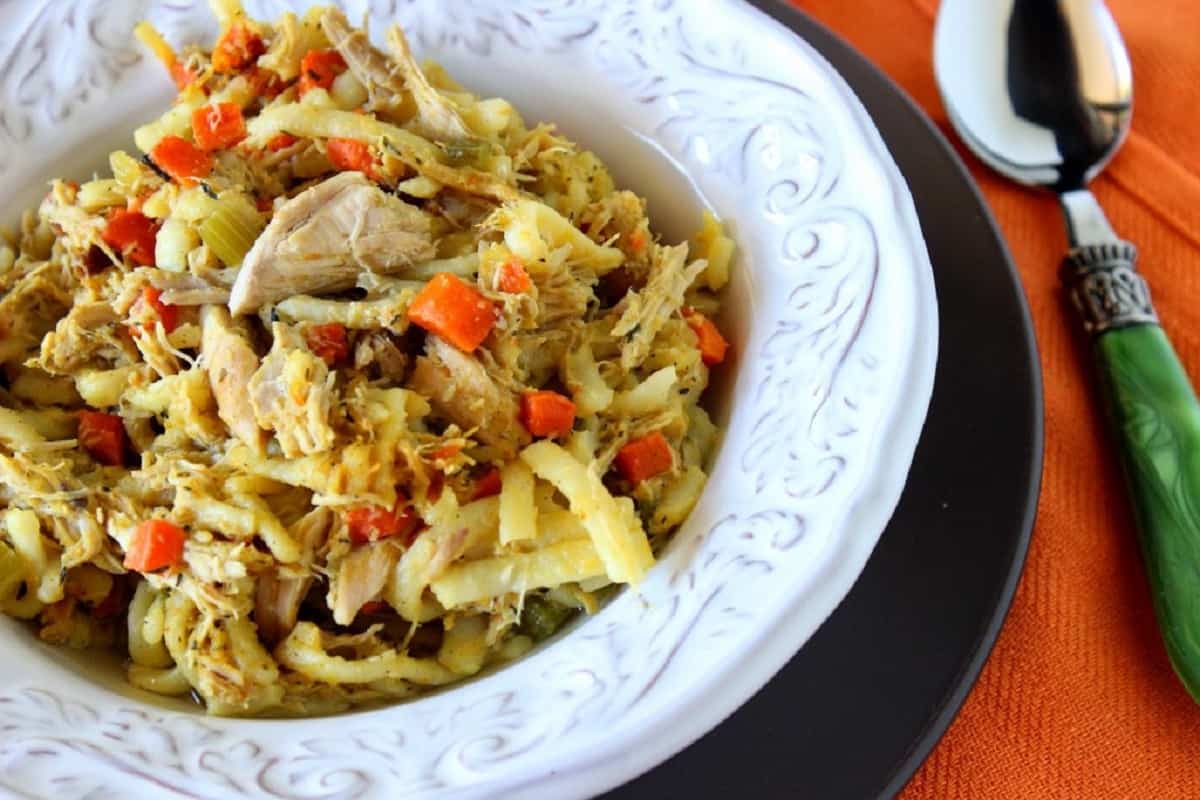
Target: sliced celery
[231, 229]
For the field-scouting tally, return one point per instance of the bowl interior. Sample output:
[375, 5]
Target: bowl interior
[636, 161]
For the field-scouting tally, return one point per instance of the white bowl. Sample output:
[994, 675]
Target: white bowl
[833, 318]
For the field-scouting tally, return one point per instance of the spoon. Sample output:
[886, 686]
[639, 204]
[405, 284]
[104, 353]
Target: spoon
[1041, 91]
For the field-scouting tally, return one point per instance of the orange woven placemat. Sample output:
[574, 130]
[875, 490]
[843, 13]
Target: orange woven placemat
[1078, 699]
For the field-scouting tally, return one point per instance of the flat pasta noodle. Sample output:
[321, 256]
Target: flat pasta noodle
[589, 390]
[464, 648]
[101, 388]
[552, 565]
[651, 395]
[518, 514]
[303, 651]
[387, 313]
[44, 574]
[169, 681]
[146, 628]
[618, 536]
[465, 528]
[248, 520]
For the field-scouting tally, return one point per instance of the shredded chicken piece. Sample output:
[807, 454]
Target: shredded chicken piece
[379, 349]
[222, 574]
[83, 541]
[324, 237]
[279, 594]
[223, 660]
[81, 338]
[361, 577]
[622, 214]
[437, 118]
[30, 309]
[230, 362]
[156, 349]
[645, 311]
[447, 550]
[292, 393]
[181, 289]
[80, 230]
[459, 388]
[385, 87]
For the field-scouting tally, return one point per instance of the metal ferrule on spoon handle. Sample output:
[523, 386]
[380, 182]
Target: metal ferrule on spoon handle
[1155, 419]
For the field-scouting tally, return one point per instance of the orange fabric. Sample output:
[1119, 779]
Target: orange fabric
[1078, 699]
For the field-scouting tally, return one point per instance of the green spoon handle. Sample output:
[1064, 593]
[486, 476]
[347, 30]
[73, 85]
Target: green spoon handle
[1155, 419]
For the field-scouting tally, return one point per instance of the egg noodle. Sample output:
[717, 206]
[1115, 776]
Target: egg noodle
[348, 384]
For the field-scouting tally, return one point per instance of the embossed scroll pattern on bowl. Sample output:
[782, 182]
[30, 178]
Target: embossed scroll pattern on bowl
[836, 331]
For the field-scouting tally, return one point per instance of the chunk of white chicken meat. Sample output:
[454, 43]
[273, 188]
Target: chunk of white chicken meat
[437, 117]
[644, 312]
[230, 362]
[460, 389]
[360, 578]
[292, 393]
[325, 237]
[280, 592]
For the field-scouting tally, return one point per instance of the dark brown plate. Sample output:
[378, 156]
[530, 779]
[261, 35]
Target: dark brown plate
[859, 708]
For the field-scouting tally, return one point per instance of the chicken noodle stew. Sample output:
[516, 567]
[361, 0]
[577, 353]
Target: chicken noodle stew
[348, 385]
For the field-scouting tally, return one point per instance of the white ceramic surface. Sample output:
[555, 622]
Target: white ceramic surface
[833, 320]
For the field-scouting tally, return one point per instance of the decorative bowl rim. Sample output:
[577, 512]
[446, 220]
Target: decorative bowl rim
[814, 459]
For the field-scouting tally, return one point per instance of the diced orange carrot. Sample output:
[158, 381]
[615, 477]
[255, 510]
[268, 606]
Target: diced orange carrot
[155, 544]
[218, 126]
[103, 437]
[280, 141]
[546, 413]
[372, 523]
[513, 278]
[237, 49]
[265, 82]
[167, 314]
[453, 310]
[488, 485]
[182, 75]
[319, 68]
[328, 342]
[181, 159]
[711, 343]
[133, 235]
[644, 457]
[351, 155]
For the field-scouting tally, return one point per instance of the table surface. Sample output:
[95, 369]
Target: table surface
[1078, 699]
